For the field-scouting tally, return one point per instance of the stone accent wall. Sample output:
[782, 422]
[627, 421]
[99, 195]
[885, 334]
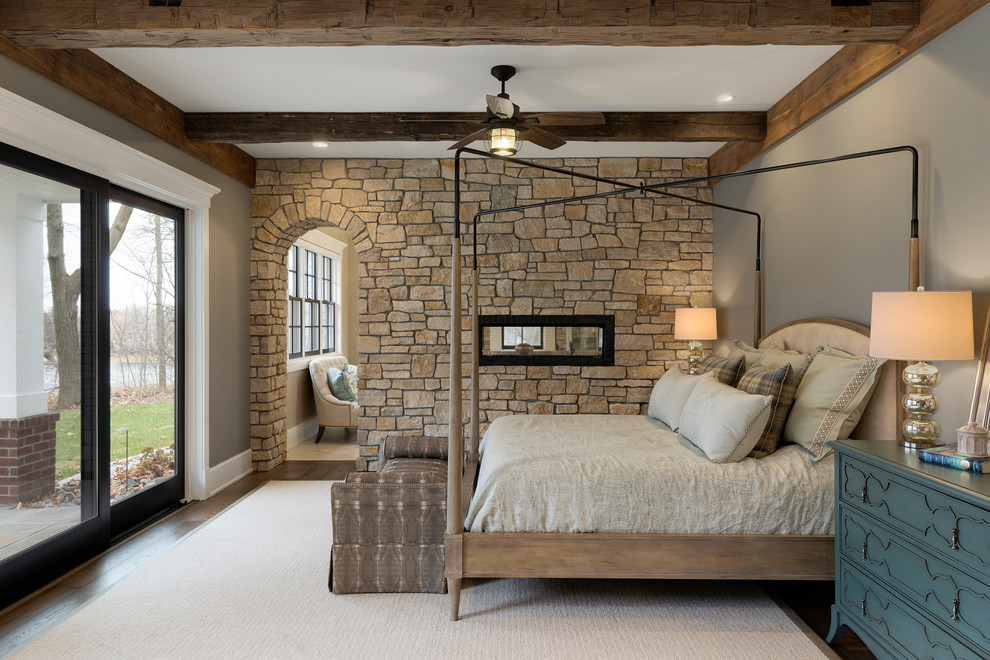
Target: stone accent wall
[635, 257]
[27, 458]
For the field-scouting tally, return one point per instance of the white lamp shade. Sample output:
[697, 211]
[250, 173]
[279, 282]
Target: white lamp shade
[695, 323]
[922, 325]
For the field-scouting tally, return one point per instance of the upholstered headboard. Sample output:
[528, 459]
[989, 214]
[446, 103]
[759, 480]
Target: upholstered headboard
[880, 419]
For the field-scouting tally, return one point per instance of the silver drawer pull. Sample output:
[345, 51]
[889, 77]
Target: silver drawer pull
[864, 549]
[955, 609]
[862, 607]
[955, 539]
[863, 498]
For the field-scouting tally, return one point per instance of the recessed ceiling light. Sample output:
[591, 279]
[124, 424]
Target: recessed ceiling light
[321, 145]
[724, 98]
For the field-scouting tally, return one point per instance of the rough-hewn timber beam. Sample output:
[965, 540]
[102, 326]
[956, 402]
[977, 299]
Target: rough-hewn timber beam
[847, 71]
[97, 81]
[255, 127]
[205, 23]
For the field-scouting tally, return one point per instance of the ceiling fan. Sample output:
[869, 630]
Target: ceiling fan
[505, 127]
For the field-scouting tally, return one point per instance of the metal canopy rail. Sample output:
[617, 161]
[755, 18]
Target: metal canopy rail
[456, 452]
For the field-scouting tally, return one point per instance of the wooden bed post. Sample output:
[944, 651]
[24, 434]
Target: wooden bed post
[455, 440]
[914, 278]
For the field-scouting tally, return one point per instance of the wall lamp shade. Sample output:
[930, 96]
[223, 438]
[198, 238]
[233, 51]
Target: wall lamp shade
[919, 326]
[502, 141]
[695, 324]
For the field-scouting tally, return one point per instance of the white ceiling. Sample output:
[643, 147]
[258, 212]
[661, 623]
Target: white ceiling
[456, 79]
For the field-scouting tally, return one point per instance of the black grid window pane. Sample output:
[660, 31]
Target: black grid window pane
[307, 327]
[329, 339]
[310, 273]
[295, 328]
[293, 271]
[533, 336]
[327, 289]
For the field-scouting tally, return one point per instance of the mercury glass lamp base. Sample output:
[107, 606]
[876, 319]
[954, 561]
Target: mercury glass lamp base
[919, 430]
[694, 358]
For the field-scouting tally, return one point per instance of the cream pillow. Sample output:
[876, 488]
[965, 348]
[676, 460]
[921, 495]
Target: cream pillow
[776, 357]
[750, 354]
[831, 399]
[669, 395]
[722, 421]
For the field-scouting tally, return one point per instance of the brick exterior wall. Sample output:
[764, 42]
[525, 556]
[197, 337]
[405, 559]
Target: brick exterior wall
[27, 458]
[635, 257]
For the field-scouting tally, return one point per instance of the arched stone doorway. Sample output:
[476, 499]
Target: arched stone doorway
[275, 228]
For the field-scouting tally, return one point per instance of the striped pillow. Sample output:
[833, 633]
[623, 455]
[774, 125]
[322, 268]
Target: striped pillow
[775, 384]
[727, 370]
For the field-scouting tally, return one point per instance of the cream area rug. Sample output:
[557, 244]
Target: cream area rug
[252, 583]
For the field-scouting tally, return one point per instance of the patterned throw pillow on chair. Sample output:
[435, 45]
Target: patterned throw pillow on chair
[351, 380]
[727, 370]
[343, 382]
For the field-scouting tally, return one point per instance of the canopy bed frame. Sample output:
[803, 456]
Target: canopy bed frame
[637, 555]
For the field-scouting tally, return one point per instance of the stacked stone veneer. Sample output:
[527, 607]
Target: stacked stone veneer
[635, 257]
[27, 458]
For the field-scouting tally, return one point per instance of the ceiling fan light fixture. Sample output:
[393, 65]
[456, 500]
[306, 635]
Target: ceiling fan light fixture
[502, 141]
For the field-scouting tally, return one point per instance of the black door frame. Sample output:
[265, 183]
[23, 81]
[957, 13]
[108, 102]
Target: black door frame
[41, 564]
[138, 509]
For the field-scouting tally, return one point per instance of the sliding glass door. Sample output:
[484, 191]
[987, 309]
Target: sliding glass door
[145, 370]
[90, 366]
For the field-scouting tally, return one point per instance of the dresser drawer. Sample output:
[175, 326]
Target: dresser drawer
[880, 612]
[953, 529]
[955, 599]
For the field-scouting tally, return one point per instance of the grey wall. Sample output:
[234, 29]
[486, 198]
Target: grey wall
[229, 247]
[836, 233]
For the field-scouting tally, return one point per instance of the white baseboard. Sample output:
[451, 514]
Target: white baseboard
[300, 432]
[220, 476]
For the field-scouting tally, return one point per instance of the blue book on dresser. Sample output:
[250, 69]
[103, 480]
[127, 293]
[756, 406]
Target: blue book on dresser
[949, 456]
[912, 553]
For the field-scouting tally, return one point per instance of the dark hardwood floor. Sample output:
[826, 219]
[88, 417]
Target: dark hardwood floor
[43, 610]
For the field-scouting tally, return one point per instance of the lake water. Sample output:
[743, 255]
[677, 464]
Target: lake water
[122, 374]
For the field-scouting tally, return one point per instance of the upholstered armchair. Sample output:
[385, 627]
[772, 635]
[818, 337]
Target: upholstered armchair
[330, 411]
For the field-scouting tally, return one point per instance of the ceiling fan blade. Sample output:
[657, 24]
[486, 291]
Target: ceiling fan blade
[568, 118]
[500, 107]
[540, 137]
[477, 135]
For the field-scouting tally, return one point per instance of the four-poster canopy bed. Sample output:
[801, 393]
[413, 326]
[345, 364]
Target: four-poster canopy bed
[610, 554]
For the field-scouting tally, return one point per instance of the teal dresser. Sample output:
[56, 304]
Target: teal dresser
[912, 554]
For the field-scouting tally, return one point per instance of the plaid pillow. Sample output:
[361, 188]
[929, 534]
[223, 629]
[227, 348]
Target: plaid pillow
[776, 384]
[727, 370]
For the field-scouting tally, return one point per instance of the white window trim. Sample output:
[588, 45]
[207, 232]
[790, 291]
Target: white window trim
[321, 243]
[34, 128]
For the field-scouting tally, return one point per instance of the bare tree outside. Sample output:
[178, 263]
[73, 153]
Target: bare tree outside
[142, 345]
[65, 303]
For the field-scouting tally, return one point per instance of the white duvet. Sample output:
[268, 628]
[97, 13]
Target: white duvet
[629, 473]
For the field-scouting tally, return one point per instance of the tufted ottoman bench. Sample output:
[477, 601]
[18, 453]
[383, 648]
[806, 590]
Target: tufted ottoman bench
[388, 526]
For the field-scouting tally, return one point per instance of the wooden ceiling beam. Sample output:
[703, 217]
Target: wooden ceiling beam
[95, 80]
[269, 127]
[848, 71]
[212, 23]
